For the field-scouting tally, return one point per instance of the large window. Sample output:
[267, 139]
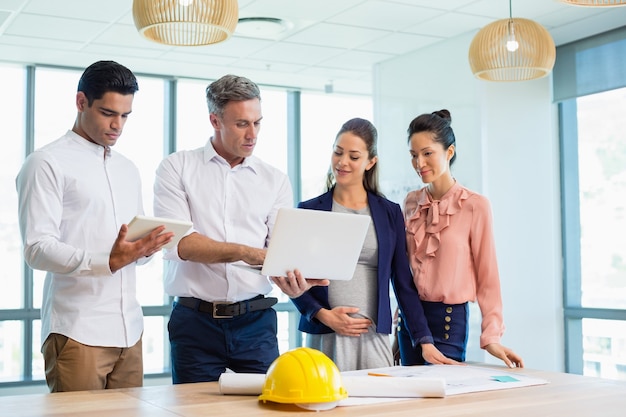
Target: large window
[39, 102]
[143, 142]
[592, 100]
[13, 295]
[54, 104]
[322, 117]
[602, 182]
[193, 127]
[598, 288]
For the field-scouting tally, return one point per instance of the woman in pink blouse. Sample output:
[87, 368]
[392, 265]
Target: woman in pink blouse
[451, 249]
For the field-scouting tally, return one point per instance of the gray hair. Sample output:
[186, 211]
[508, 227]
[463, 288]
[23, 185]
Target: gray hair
[229, 88]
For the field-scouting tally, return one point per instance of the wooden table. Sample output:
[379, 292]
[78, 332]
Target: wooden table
[566, 395]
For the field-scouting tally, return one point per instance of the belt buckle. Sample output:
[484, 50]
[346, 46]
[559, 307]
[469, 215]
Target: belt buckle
[219, 316]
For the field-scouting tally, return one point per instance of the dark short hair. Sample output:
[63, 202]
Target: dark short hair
[365, 130]
[106, 76]
[438, 123]
[229, 88]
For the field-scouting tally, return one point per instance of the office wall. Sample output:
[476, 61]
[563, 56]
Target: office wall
[507, 149]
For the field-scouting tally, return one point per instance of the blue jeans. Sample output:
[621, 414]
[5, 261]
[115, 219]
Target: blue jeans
[449, 325]
[202, 347]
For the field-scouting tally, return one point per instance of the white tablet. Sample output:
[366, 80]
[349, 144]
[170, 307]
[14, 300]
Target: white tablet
[140, 226]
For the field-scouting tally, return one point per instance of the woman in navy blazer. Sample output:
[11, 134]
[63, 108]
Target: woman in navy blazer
[353, 186]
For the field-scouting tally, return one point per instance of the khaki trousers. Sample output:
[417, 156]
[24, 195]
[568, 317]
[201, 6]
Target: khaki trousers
[72, 366]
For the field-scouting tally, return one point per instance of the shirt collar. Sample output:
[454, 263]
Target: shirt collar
[251, 162]
[88, 145]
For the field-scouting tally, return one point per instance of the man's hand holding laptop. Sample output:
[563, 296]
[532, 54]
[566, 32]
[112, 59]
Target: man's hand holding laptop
[294, 284]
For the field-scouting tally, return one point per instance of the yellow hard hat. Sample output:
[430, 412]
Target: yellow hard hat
[303, 376]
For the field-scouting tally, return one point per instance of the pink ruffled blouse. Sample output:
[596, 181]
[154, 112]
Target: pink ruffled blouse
[452, 253]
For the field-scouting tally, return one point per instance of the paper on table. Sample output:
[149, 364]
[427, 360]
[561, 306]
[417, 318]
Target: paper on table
[391, 387]
[460, 379]
[357, 386]
[241, 383]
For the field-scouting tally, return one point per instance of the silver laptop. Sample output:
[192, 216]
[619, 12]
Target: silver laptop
[321, 244]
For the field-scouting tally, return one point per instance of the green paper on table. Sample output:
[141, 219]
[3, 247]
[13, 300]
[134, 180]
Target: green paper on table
[504, 378]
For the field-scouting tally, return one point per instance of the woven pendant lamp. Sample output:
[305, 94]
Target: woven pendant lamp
[595, 3]
[186, 22]
[512, 50]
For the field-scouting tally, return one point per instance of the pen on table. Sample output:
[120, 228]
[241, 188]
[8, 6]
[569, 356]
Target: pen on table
[377, 374]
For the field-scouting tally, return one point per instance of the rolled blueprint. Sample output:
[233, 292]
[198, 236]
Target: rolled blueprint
[357, 386]
[241, 383]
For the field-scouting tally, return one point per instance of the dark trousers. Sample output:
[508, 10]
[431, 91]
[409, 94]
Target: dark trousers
[202, 347]
[449, 325]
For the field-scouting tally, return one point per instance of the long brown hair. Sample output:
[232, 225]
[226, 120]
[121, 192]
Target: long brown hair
[366, 131]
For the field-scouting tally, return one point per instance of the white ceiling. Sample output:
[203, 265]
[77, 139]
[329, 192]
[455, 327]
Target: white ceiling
[329, 41]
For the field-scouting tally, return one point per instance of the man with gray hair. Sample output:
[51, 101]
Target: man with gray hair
[221, 317]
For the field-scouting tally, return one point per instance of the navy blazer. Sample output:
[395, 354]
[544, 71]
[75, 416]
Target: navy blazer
[393, 265]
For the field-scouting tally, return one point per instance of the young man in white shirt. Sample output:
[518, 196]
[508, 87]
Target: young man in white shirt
[221, 317]
[75, 197]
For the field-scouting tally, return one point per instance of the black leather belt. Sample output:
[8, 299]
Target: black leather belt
[226, 309]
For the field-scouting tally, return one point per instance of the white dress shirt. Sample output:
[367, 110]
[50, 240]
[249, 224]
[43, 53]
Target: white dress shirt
[236, 205]
[74, 195]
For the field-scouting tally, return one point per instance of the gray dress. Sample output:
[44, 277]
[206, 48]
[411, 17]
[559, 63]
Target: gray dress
[371, 349]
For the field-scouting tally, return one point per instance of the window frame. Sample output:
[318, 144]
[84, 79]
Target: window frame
[573, 311]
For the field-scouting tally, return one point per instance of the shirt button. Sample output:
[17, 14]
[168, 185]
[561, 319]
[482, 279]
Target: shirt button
[449, 310]
[447, 327]
[446, 336]
[447, 319]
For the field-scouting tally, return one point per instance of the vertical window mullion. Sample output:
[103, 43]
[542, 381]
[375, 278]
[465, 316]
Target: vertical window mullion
[294, 140]
[169, 119]
[29, 145]
[570, 203]
[570, 235]
[170, 146]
